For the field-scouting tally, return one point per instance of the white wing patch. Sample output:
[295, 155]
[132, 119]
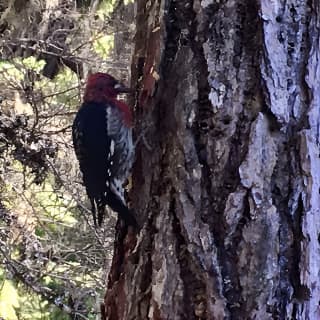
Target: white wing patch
[120, 152]
[112, 147]
[108, 114]
[116, 188]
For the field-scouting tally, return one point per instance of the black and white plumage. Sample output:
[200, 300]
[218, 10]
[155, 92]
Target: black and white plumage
[102, 138]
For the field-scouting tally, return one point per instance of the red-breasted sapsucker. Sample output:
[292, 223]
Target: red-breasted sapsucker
[102, 139]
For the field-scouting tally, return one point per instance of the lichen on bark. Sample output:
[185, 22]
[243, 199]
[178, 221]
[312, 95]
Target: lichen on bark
[229, 194]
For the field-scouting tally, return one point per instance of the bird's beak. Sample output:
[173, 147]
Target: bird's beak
[121, 88]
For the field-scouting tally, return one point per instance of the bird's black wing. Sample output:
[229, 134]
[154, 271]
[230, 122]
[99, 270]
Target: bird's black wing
[99, 145]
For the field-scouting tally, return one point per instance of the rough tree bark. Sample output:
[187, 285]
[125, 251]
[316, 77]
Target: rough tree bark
[228, 195]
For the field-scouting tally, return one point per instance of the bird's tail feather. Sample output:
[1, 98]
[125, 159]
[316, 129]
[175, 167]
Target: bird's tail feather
[116, 204]
[93, 211]
[101, 211]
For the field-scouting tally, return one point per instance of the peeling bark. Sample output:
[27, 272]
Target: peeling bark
[229, 194]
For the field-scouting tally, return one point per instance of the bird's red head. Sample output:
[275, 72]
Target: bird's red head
[102, 87]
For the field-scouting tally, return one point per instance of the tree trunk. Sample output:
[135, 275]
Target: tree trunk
[226, 183]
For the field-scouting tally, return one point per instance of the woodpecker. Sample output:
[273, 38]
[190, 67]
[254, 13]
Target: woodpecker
[102, 139]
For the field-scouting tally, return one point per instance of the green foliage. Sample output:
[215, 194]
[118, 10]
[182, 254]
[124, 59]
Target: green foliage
[55, 91]
[9, 299]
[32, 307]
[16, 69]
[16, 303]
[32, 63]
[58, 314]
[46, 233]
[105, 8]
[54, 207]
[103, 45]
[47, 216]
